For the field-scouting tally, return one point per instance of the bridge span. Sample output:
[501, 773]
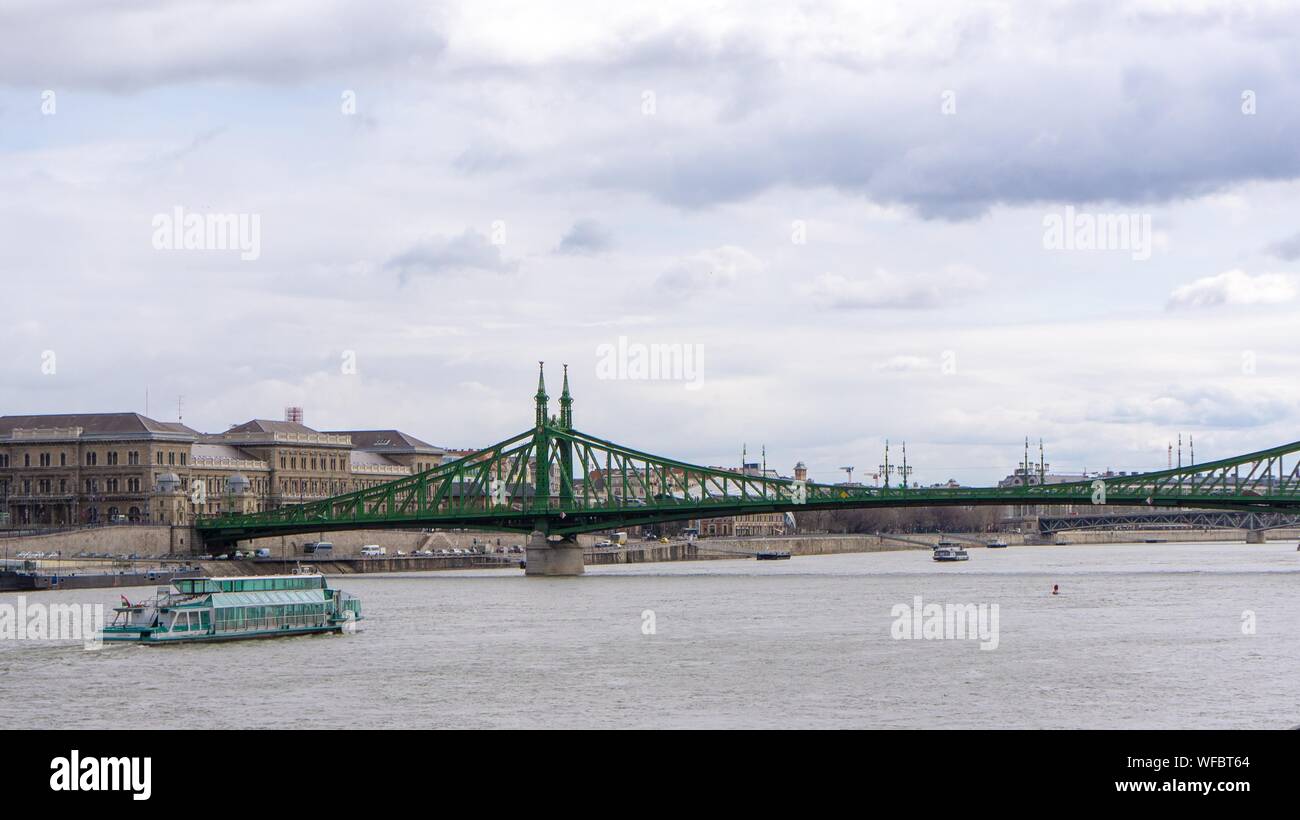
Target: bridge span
[553, 481]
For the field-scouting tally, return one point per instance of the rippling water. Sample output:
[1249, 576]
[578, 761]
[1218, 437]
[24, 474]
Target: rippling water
[1139, 636]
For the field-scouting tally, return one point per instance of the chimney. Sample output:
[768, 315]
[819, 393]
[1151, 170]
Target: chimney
[293, 414]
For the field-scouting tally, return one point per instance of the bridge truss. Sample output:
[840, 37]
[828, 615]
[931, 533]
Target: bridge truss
[560, 481]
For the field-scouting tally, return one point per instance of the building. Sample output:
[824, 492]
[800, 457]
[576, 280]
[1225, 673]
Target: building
[89, 468]
[761, 524]
[60, 470]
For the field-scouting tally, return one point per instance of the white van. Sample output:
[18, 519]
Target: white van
[373, 551]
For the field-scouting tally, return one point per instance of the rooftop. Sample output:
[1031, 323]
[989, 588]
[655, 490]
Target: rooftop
[387, 441]
[97, 425]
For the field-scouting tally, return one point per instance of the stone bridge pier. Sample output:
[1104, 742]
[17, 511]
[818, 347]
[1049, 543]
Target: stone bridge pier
[1256, 536]
[554, 555]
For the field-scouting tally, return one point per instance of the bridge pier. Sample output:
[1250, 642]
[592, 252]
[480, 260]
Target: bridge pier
[546, 557]
[1256, 536]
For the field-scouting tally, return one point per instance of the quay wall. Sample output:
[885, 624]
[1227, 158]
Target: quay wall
[157, 540]
[162, 540]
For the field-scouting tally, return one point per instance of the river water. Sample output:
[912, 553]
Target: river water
[1140, 635]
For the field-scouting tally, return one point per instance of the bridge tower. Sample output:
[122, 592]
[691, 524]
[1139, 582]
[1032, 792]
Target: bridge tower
[549, 555]
[564, 445]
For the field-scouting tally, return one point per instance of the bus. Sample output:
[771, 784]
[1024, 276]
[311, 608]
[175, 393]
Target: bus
[318, 548]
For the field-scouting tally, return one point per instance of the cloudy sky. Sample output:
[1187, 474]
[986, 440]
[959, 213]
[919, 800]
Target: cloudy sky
[847, 209]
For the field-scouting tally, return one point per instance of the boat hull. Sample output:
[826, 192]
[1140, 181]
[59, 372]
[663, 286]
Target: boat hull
[147, 639]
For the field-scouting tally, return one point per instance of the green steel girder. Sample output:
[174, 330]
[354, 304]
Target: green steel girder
[589, 484]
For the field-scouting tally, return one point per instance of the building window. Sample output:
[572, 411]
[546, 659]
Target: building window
[183, 459]
[63, 459]
[160, 459]
[27, 459]
[133, 458]
[92, 459]
[171, 458]
[112, 459]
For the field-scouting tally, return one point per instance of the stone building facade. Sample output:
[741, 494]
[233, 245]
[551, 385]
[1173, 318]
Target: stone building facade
[101, 468]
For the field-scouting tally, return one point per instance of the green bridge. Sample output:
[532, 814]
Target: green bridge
[554, 482]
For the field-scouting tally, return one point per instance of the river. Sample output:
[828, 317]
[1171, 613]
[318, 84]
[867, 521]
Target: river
[1139, 635]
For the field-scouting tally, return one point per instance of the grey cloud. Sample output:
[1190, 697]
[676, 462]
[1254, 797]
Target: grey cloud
[1288, 249]
[469, 252]
[1130, 126]
[1207, 407]
[148, 45]
[587, 236]
[482, 158]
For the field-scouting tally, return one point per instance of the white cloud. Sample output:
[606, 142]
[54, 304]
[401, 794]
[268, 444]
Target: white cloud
[1235, 287]
[717, 267]
[889, 289]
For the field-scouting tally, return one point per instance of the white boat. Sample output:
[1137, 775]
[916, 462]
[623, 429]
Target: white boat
[996, 544]
[951, 554]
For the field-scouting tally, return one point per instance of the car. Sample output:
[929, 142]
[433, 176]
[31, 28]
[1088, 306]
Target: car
[516, 548]
[223, 557]
[264, 552]
[604, 542]
[372, 551]
[401, 553]
[239, 555]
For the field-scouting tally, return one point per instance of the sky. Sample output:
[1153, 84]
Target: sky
[864, 222]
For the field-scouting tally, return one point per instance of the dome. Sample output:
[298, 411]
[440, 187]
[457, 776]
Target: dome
[237, 484]
[169, 483]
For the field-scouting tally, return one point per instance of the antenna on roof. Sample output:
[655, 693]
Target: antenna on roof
[146, 399]
[180, 407]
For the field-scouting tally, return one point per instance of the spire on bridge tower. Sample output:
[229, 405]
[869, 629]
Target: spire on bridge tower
[566, 403]
[541, 396]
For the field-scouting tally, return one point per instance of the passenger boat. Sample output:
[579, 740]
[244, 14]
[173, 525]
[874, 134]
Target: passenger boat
[996, 544]
[944, 542]
[952, 553]
[223, 609]
[772, 555]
